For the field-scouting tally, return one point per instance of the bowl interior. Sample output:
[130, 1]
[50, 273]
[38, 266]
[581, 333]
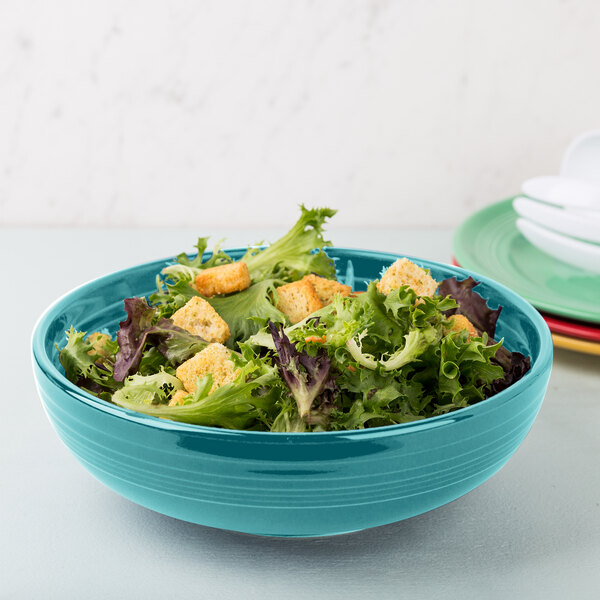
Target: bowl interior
[98, 306]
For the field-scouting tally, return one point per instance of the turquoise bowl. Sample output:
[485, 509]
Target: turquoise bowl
[278, 484]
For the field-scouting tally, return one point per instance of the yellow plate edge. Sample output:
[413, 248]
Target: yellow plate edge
[569, 343]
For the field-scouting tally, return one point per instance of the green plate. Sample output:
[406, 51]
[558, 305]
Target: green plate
[489, 243]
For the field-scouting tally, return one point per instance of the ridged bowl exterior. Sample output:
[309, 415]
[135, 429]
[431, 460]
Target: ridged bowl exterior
[287, 484]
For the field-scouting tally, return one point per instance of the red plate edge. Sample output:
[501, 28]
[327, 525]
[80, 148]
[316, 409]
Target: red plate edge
[563, 326]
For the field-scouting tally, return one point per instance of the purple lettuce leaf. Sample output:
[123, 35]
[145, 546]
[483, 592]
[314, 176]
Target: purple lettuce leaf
[173, 342]
[132, 337]
[308, 377]
[518, 366]
[470, 304]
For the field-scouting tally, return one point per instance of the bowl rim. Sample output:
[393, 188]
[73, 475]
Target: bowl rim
[542, 364]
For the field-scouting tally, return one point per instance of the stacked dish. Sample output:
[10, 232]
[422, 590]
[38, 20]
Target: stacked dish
[545, 245]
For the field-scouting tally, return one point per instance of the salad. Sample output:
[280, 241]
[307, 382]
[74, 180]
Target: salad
[273, 342]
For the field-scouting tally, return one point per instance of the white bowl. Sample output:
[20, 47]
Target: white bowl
[582, 158]
[574, 252]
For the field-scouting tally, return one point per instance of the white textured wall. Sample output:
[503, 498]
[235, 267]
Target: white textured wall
[229, 112]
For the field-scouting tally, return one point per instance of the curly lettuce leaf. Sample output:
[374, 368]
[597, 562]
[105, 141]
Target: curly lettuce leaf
[343, 319]
[465, 371]
[416, 342]
[335, 324]
[403, 327]
[387, 326]
[366, 359]
[379, 398]
[173, 287]
[171, 294]
[292, 256]
[84, 366]
[311, 326]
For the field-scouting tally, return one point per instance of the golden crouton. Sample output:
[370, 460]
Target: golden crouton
[460, 323]
[298, 300]
[327, 288]
[405, 272]
[223, 279]
[178, 397]
[98, 341]
[214, 359]
[200, 318]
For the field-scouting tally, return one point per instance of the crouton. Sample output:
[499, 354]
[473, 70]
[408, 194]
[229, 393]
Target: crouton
[214, 359]
[460, 323]
[178, 397]
[297, 300]
[200, 318]
[327, 288]
[98, 341]
[405, 272]
[224, 279]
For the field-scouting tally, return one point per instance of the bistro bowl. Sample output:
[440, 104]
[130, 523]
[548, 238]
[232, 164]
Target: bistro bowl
[280, 484]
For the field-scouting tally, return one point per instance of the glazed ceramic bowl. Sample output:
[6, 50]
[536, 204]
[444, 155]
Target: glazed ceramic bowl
[581, 159]
[302, 484]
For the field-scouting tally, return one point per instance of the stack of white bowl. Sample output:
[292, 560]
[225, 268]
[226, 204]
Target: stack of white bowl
[560, 214]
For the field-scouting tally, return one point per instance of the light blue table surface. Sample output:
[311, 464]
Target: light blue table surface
[532, 531]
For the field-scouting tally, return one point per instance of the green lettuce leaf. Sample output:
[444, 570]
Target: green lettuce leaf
[153, 361]
[146, 390]
[238, 405]
[291, 257]
[416, 342]
[465, 371]
[289, 421]
[85, 367]
[387, 326]
[171, 294]
[248, 311]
